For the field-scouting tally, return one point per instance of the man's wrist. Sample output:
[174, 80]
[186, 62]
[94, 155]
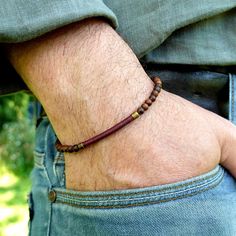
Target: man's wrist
[87, 69]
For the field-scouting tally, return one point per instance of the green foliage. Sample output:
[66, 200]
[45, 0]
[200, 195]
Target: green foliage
[16, 134]
[17, 140]
[14, 210]
[13, 107]
[16, 161]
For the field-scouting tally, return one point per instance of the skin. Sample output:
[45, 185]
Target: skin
[88, 79]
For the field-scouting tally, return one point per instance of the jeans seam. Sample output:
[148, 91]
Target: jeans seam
[231, 98]
[44, 166]
[142, 203]
[148, 191]
[57, 164]
[162, 194]
[48, 179]
[214, 182]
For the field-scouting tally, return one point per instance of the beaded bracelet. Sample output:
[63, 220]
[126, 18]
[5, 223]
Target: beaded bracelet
[144, 107]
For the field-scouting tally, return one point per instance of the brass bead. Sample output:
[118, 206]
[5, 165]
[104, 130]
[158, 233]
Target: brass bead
[152, 97]
[80, 146]
[135, 115]
[145, 106]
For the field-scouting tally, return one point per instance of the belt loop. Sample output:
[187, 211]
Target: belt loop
[232, 98]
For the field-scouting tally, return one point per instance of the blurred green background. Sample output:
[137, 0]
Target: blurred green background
[17, 130]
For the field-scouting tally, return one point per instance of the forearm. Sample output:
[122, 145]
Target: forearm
[87, 79]
[79, 71]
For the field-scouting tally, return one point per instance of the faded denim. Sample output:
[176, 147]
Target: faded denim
[203, 205]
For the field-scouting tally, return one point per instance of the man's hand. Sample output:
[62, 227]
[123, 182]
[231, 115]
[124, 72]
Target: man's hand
[88, 79]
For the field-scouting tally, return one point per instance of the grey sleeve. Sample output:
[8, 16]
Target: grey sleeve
[22, 20]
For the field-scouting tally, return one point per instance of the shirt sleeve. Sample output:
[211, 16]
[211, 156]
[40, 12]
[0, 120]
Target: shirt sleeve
[145, 25]
[23, 20]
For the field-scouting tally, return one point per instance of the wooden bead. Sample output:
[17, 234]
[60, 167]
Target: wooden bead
[70, 149]
[75, 148]
[140, 110]
[157, 88]
[155, 93]
[156, 80]
[149, 102]
[152, 98]
[145, 106]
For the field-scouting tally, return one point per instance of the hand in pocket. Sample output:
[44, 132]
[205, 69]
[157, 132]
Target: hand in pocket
[175, 140]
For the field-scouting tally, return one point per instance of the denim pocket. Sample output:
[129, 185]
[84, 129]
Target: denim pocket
[141, 196]
[203, 205]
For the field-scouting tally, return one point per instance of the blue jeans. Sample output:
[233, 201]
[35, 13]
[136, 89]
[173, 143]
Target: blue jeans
[203, 205]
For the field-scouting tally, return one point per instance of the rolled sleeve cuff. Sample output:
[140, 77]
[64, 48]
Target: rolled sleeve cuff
[23, 20]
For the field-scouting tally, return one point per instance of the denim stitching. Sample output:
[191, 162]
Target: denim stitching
[57, 164]
[38, 166]
[44, 166]
[194, 188]
[156, 195]
[47, 177]
[59, 155]
[58, 159]
[231, 98]
[39, 153]
[144, 192]
[139, 204]
[128, 196]
[38, 159]
[214, 182]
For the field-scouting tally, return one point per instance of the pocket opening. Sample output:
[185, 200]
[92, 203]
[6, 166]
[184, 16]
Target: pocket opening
[140, 196]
